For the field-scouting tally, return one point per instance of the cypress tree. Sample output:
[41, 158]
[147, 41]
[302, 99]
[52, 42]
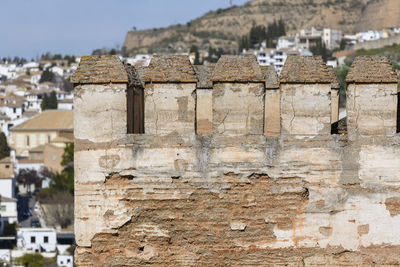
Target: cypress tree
[52, 104]
[44, 104]
[4, 148]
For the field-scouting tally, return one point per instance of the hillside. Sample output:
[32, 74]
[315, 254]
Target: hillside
[222, 28]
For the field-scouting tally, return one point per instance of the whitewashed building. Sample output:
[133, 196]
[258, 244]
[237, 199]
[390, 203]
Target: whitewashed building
[37, 239]
[277, 57]
[332, 38]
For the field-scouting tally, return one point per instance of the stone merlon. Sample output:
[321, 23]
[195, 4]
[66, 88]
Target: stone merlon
[100, 70]
[237, 69]
[300, 69]
[170, 69]
[372, 69]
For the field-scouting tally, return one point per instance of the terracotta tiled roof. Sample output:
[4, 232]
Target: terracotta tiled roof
[48, 120]
[204, 73]
[271, 78]
[100, 69]
[335, 82]
[300, 69]
[6, 160]
[238, 69]
[169, 69]
[372, 69]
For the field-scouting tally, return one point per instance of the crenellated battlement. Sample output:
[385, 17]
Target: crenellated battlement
[236, 96]
[181, 165]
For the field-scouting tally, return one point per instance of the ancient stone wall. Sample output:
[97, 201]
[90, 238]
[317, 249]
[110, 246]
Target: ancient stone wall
[190, 193]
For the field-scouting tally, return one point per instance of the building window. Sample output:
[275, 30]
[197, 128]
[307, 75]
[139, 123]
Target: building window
[3, 208]
[46, 239]
[54, 157]
[135, 110]
[7, 166]
[14, 110]
[27, 140]
[33, 239]
[48, 139]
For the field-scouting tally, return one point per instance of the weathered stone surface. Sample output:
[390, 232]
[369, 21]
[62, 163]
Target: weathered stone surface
[238, 108]
[305, 109]
[372, 109]
[204, 111]
[100, 70]
[235, 196]
[170, 69]
[298, 69]
[170, 108]
[272, 124]
[372, 69]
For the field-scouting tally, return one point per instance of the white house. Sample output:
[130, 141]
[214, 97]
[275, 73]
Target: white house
[66, 104]
[12, 106]
[8, 212]
[37, 239]
[5, 255]
[286, 42]
[33, 100]
[332, 38]
[57, 70]
[369, 36]
[31, 66]
[141, 59]
[64, 258]
[277, 57]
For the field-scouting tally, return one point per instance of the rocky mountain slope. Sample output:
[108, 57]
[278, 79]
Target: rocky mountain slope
[222, 28]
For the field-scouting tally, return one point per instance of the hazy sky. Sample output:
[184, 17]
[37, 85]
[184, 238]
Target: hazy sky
[32, 27]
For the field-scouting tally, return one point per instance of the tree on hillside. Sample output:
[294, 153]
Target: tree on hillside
[45, 102]
[259, 34]
[68, 156]
[47, 76]
[320, 50]
[49, 102]
[53, 103]
[29, 177]
[4, 148]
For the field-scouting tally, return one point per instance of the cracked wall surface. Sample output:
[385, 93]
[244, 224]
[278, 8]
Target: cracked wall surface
[306, 108]
[238, 108]
[377, 118]
[246, 194]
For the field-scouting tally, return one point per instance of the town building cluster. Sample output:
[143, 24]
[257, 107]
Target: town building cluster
[302, 43]
[37, 134]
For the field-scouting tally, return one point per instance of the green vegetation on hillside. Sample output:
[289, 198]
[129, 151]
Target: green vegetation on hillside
[259, 34]
[49, 102]
[34, 260]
